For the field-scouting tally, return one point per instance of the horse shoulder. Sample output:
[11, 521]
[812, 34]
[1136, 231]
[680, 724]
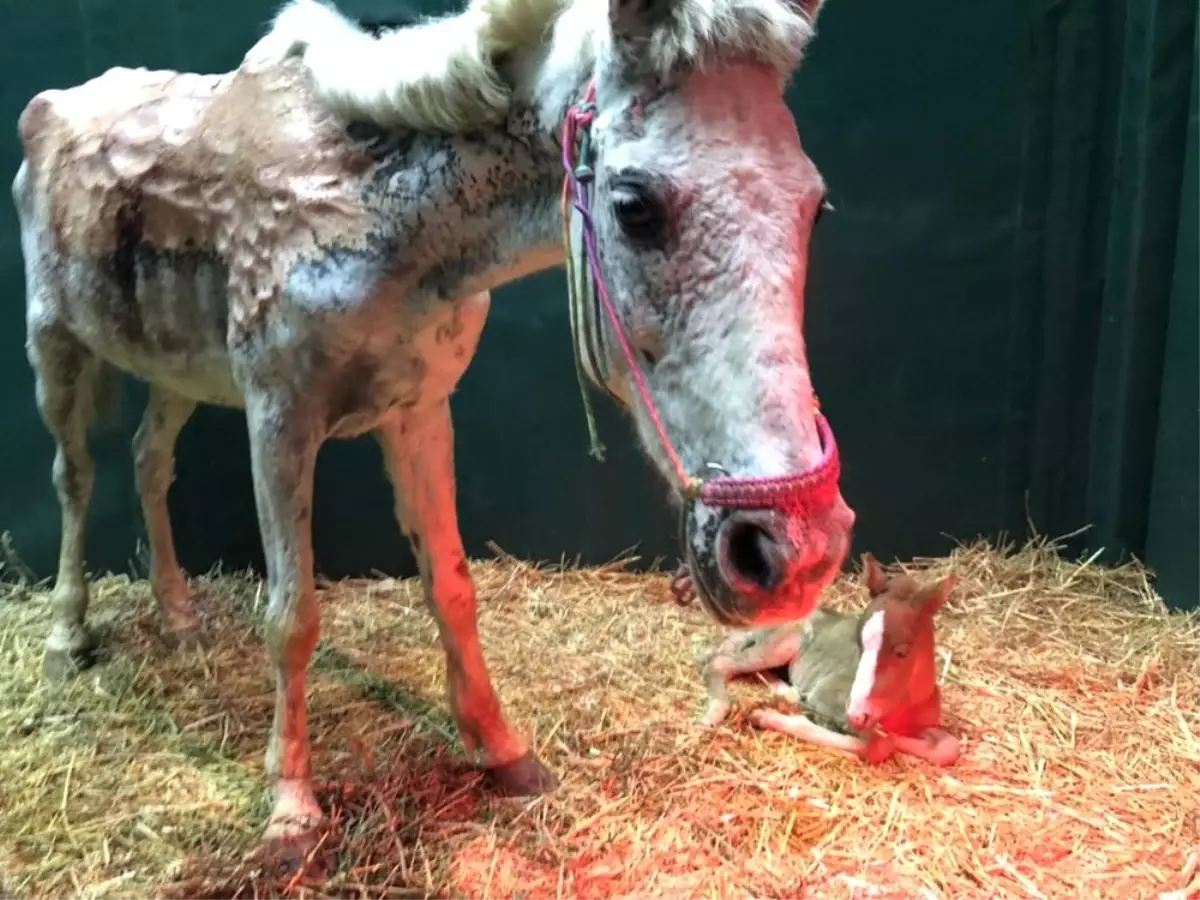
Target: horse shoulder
[299, 186]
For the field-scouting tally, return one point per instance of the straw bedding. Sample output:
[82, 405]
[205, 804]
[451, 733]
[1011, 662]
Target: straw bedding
[1076, 694]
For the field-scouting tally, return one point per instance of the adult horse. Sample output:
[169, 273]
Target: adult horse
[312, 238]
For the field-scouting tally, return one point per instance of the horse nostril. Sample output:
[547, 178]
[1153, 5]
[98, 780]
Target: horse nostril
[753, 554]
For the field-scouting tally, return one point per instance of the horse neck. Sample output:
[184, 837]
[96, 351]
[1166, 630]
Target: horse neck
[501, 202]
[469, 213]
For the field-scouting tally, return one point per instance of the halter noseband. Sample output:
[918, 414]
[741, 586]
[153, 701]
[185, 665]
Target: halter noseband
[806, 493]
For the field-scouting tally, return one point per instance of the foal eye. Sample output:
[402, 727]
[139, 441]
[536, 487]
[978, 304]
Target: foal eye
[638, 212]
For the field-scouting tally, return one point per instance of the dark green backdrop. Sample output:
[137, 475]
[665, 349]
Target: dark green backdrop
[1002, 313]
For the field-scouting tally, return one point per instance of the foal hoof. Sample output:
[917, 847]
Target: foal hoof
[878, 750]
[946, 751]
[525, 776]
[717, 712]
[62, 663]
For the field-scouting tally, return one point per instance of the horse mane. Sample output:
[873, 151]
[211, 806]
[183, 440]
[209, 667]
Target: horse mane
[445, 73]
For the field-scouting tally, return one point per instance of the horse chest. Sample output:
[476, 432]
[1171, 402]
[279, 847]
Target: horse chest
[401, 365]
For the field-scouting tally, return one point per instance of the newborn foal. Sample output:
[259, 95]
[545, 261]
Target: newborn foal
[867, 682]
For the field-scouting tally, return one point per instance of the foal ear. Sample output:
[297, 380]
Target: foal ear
[635, 18]
[937, 597]
[874, 575]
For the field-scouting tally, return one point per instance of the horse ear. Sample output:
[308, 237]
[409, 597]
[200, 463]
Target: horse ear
[811, 9]
[874, 575]
[635, 18]
[937, 597]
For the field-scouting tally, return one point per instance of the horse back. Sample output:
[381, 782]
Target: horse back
[97, 150]
[244, 165]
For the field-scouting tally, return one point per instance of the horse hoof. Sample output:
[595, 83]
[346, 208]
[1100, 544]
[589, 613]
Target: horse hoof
[290, 847]
[293, 831]
[62, 663]
[296, 812]
[946, 753]
[525, 776]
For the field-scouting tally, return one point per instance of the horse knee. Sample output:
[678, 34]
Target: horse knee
[291, 628]
[73, 474]
[143, 449]
[451, 592]
[152, 477]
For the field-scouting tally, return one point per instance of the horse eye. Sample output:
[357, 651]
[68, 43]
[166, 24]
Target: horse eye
[638, 213]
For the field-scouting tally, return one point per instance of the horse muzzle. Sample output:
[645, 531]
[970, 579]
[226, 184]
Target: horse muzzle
[762, 567]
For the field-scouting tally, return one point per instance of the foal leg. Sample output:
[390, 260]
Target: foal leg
[741, 654]
[935, 745]
[420, 461]
[66, 373]
[804, 728]
[283, 447]
[154, 455]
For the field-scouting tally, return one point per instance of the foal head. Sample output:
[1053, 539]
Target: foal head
[703, 204]
[898, 667]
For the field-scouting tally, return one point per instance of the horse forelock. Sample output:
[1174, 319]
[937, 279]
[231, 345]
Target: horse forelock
[458, 72]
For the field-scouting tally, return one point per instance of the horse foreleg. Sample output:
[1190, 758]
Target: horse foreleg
[420, 461]
[283, 446]
[66, 375]
[154, 455]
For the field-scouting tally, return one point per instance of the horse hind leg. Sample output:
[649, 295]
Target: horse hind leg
[67, 376]
[154, 455]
